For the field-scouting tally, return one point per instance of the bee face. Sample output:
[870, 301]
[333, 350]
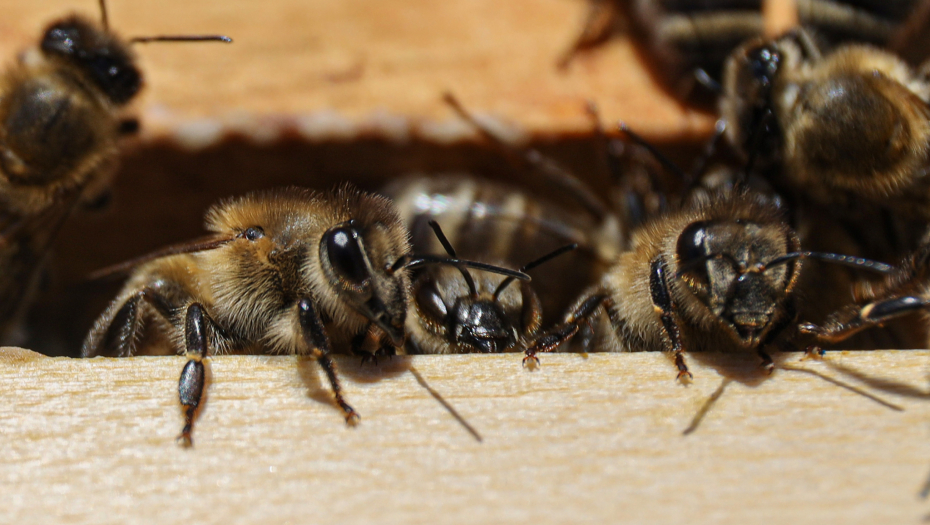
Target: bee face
[724, 265]
[472, 322]
[105, 60]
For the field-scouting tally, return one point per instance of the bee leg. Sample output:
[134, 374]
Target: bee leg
[767, 364]
[386, 348]
[853, 319]
[665, 307]
[565, 331]
[318, 342]
[117, 338]
[358, 346]
[193, 376]
[600, 23]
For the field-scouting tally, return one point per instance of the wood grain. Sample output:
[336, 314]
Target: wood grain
[595, 439]
[338, 69]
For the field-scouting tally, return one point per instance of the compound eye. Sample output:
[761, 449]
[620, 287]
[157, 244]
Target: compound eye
[254, 233]
[691, 249]
[429, 301]
[763, 63]
[345, 254]
[118, 78]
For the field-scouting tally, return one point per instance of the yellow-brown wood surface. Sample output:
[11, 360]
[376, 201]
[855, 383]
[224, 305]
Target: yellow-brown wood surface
[348, 67]
[581, 440]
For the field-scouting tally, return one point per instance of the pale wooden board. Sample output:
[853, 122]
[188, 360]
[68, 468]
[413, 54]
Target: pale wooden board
[347, 67]
[582, 440]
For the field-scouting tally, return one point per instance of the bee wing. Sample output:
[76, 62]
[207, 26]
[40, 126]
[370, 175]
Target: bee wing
[208, 242]
[24, 245]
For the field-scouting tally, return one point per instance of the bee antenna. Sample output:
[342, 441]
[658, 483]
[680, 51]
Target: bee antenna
[847, 260]
[665, 161]
[180, 38]
[533, 264]
[443, 240]
[554, 173]
[451, 251]
[104, 20]
[416, 261]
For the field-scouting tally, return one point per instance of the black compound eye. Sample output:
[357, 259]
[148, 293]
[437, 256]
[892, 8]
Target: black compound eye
[763, 64]
[345, 254]
[691, 249]
[254, 233]
[429, 301]
[119, 79]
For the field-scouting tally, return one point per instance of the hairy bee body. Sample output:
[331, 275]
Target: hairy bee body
[503, 226]
[718, 276]
[60, 122]
[281, 271]
[250, 287]
[853, 125]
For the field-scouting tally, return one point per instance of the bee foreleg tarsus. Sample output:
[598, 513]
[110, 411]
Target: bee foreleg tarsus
[662, 299]
[767, 364]
[554, 337]
[193, 376]
[386, 348]
[315, 336]
[328, 366]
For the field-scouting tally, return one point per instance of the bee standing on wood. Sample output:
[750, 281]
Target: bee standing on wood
[60, 124]
[281, 271]
[720, 275]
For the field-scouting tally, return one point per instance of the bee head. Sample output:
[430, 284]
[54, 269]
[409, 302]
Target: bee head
[101, 57]
[358, 260]
[724, 265]
[475, 322]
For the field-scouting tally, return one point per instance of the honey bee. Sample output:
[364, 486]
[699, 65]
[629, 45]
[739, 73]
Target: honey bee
[453, 311]
[60, 124]
[718, 275]
[844, 129]
[280, 271]
[687, 43]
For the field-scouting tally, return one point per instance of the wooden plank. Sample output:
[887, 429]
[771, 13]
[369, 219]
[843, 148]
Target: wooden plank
[595, 439]
[344, 68]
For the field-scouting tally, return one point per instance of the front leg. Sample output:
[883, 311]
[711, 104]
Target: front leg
[852, 319]
[574, 321]
[369, 338]
[318, 342]
[789, 319]
[193, 376]
[665, 307]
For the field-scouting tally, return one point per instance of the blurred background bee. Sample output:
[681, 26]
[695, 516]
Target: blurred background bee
[61, 120]
[685, 44]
